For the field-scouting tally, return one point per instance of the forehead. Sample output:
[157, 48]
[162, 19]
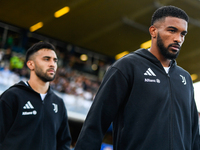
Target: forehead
[46, 52]
[174, 22]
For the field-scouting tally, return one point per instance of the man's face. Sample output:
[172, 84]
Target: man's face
[45, 64]
[170, 36]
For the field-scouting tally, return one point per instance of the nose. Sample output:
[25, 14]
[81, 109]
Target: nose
[179, 38]
[52, 63]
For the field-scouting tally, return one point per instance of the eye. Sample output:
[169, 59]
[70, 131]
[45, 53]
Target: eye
[172, 30]
[183, 34]
[46, 58]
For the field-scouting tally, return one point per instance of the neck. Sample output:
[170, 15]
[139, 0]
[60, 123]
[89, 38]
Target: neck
[38, 85]
[165, 62]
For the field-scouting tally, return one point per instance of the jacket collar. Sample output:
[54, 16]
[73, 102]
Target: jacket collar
[148, 55]
[23, 85]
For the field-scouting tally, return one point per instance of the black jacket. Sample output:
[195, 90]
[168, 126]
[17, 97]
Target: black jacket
[150, 109]
[28, 123]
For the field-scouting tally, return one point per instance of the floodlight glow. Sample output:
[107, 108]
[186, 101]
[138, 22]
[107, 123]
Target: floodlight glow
[36, 26]
[146, 44]
[61, 12]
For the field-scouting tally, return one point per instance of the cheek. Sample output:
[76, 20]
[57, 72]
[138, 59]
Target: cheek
[56, 66]
[167, 40]
[183, 39]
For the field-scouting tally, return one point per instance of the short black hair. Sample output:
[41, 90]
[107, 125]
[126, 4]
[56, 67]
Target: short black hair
[169, 11]
[36, 47]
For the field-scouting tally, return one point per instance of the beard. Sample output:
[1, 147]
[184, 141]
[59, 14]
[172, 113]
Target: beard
[165, 51]
[43, 75]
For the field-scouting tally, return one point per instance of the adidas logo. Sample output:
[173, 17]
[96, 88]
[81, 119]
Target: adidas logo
[28, 105]
[149, 72]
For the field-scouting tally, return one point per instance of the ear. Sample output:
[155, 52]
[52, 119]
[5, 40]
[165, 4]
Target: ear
[153, 31]
[30, 64]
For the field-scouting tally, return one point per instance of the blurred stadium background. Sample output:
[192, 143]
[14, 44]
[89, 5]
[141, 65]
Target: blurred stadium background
[89, 36]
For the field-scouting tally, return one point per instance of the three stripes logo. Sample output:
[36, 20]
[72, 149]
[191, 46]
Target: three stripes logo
[149, 72]
[29, 106]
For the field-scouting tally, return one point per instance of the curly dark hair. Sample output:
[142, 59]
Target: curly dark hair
[169, 11]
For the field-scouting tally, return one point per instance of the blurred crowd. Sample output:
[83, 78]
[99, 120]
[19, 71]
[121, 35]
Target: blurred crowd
[74, 82]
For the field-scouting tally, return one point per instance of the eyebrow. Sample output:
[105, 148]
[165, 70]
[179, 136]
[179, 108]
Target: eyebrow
[172, 27]
[184, 32]
[50, 57]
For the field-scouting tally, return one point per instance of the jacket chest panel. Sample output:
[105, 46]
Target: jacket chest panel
[32, 110]
[154, 87]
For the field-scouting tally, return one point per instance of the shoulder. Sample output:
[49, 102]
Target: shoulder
[11, 96]
[135, 58]
[10, 92]
[16, 89]
[127, 59]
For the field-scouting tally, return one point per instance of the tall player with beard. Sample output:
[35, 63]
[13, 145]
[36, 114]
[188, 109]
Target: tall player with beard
[147, 96]
[32, 117]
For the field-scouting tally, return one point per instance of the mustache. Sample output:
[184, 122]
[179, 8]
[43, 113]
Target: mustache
[175, 44]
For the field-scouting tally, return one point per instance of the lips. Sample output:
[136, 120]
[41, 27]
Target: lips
[51, 70]
[175, 47]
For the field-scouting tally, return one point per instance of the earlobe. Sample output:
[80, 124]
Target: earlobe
[152, 31]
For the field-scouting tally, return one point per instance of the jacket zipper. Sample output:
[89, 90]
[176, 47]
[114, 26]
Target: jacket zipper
[42, 147]
[171, 115]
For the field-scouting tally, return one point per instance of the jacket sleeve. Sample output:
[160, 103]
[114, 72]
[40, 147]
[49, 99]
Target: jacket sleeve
[195, 127]
[6, 120]
[111, 94]
[63, 135]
